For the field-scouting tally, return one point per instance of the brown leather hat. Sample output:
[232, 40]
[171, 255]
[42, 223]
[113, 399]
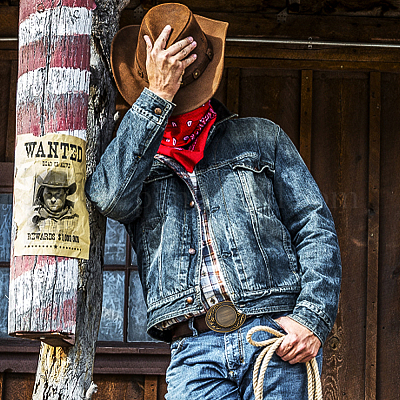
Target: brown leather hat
[201, 79]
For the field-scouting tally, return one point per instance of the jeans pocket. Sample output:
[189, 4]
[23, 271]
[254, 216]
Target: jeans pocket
[176, 346]
[273, 323]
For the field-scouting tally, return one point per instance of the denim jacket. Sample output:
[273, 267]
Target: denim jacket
[273, 233]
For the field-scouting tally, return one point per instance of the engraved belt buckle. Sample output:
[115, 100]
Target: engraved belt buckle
[223, 317]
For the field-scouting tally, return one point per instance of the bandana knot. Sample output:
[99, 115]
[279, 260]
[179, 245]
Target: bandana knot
[185, 136]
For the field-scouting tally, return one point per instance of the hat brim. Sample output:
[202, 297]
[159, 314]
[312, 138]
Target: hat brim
[188, 97]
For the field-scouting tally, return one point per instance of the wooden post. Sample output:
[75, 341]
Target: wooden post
[61, 297]
[52, 97]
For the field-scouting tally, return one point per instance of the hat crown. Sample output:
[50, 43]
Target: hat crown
[54, 179]
[183, 24]
[57, 180]
[177, 15]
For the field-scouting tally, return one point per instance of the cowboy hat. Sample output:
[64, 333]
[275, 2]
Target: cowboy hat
[200, 80]
[57, 180]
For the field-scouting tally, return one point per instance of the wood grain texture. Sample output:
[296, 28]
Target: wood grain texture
[5, 76]
[272, 94]
[373, 235]
[110, 387]
[340, 166]
[73, 367]
[119, 387]
[150, 387]
[326, 7]
[388, 329]
[233, 89]
[10, 141]
[65, 372]
[306, 116]
[17, 386]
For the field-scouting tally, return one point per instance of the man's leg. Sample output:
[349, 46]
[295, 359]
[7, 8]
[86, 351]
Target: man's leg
[220, 366]
[198, 369]
[282, 381]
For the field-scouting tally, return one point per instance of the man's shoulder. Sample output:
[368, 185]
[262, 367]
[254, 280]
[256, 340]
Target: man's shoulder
[251, 129]
[258, 125]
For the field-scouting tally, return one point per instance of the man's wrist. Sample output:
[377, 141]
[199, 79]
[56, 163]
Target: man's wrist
[163, 95]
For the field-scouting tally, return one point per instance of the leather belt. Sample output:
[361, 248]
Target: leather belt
[222, 317]
[181, 329]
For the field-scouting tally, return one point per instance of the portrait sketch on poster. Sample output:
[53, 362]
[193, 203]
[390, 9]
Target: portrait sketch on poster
[50, 213]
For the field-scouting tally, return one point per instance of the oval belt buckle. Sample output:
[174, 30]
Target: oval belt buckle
[223, 317]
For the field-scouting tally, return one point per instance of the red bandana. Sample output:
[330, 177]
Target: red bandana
[185, 136]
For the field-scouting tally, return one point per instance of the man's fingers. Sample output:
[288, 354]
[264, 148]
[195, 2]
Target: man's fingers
[161, 41]
[182, 48]
[187, 61]
[184, 53]
[285, 348]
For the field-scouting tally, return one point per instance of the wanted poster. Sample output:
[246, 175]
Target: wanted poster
[50, 213]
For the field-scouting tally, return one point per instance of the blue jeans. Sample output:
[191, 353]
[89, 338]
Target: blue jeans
[219, 366]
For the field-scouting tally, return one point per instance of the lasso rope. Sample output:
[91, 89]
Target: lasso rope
[261, 364]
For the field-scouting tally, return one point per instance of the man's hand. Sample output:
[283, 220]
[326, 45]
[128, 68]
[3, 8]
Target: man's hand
[299, 345]
[165, 67]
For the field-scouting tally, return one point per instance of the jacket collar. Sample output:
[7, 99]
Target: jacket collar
[223, 114]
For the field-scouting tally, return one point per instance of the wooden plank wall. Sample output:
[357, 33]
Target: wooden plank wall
[8, 78]
[338, 118]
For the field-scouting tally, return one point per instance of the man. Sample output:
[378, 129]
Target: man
[51, 199]
[230, 229]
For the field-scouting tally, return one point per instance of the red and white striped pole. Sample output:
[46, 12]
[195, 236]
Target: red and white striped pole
[52, 98]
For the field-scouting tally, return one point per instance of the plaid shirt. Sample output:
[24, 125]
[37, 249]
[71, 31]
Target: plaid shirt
[212, 282]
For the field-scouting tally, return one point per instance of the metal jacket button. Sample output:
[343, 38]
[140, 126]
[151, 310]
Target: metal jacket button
[158, 111]
[192, 251]
[191, 204]
[189, 300]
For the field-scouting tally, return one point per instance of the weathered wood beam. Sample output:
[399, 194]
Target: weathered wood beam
[254, 23]
[306, 116]
[322, 27]
[359, 56]
[233, 86]
[1, 385]
[371, 329]
[10, 141]
[150, 387]
[245, 59]
[311, 7]
[8, 21]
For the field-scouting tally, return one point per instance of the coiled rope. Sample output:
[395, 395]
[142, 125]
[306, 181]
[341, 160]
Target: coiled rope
[261, 364]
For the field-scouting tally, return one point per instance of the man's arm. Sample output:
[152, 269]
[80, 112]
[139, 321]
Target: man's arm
[309, 221]
[116, 184]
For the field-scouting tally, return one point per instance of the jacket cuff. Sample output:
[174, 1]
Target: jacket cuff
[152, 106]
[311, 320]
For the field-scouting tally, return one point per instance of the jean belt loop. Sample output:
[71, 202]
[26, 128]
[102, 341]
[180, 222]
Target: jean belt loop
[192, 328]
